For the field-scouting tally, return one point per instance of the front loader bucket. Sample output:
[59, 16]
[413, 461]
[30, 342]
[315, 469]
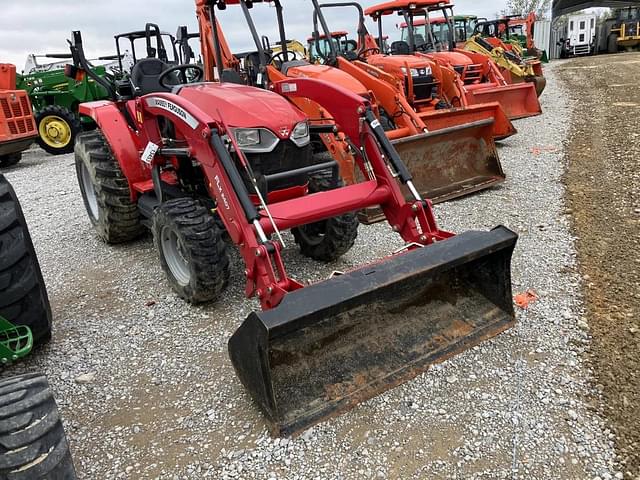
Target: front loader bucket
[449, 162]
[332, 345]
[502, 127]
[539, 81]
[518, 100]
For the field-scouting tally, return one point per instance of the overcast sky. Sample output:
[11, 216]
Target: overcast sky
[41, 26]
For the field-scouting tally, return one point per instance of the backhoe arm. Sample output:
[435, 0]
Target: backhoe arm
[215, 54]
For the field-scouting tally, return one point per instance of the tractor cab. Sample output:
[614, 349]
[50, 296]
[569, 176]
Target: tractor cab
[319, 48]
[270, 63]
[153, 62]
[463, 26]
[418, 73]
[431, 32]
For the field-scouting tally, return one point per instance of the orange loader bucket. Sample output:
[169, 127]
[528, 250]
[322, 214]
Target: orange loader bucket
[502, 126]
[447, 162]
[518, 100]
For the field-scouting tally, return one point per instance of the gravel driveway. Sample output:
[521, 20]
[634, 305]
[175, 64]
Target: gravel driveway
[147, 391]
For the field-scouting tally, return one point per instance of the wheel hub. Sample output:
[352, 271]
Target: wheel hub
[55, 131]
[89, 191]
[174, 255]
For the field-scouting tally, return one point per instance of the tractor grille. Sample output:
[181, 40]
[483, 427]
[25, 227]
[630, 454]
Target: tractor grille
[16, 114]
[472, 74]
[631, 29]
[286, 156]
[423, 87]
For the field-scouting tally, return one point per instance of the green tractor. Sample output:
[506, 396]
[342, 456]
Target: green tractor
[55, 94]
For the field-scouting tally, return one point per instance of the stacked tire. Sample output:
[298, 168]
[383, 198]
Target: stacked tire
[33, 445]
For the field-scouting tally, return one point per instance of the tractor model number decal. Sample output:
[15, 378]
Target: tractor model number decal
[289, 88]
[173, 108]
[219, 185]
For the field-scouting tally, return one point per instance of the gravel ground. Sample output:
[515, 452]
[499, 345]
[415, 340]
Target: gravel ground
[146, 389]
[607, 192]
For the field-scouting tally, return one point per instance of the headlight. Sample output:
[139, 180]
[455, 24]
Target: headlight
[417, 72]
[255, 140]
[300, 135]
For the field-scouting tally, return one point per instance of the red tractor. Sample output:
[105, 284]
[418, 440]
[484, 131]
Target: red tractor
[191, 160]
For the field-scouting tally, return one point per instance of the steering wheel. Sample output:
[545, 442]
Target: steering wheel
[373, 50]
[181, 71]
[425, 47]
[276, 56]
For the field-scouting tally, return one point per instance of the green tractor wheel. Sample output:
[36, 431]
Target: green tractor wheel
[57, 127]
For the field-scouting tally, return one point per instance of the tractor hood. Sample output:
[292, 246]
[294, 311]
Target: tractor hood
[397, 61]
[452, 58]
[242, 106]
[329, 74]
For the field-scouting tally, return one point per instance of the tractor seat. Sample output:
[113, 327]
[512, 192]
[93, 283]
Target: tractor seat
[145, 74]
[400, 48]
[293, 63]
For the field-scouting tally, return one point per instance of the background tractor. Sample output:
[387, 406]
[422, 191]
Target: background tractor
[488, 40]
[451, 152]
[482, 78]
[55, 98]
[17, 125]
[621, 31]
[191, 160]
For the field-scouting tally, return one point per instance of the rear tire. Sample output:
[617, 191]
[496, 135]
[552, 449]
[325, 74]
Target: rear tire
[23, 296]
[105, 190]
[612, 44]
[192, 249]
[328, 239]
[57, 127]
[33, 445]
[10, 159]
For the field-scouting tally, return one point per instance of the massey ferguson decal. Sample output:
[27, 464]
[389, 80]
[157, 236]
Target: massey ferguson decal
[173, 108]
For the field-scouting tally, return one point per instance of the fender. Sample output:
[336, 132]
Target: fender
[120, 137]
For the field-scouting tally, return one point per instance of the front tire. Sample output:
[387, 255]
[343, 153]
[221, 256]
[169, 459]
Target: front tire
[23, 296]
[105, 190]
[329, 239]
[10, 159]
[192, 249]
[612, 44]
[33, 445]
[58, 128]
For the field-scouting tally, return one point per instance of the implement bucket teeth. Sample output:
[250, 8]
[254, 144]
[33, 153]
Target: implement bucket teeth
[334, 344]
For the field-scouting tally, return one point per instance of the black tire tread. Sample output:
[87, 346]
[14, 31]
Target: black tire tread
[72, 119]
[23, 296]
[204, 243]
[118, 219]
[33, 445]
[340, 231]
[10, 159]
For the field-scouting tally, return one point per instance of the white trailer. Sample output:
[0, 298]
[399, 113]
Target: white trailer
[581, 34]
